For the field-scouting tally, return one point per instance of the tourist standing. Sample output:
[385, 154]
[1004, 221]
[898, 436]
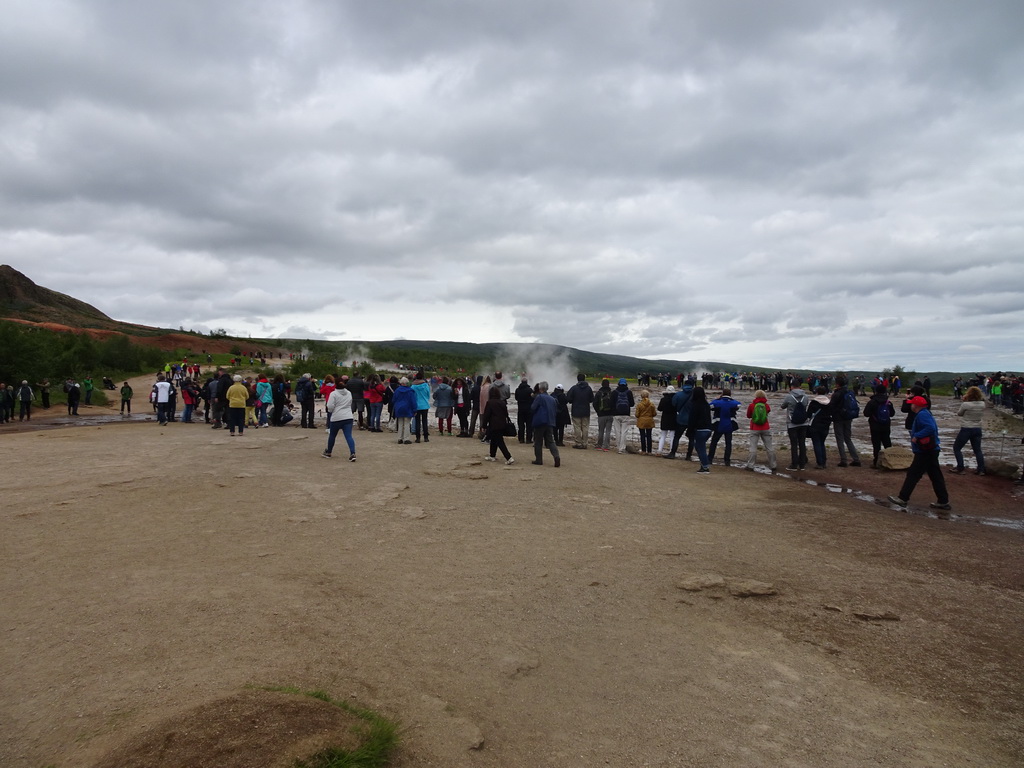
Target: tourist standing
[580, 396]
[760, 429]
[339, 419]
[970, 413]
[495, 415]
[543, 410]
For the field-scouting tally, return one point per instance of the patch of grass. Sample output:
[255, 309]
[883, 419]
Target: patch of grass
[378, 737]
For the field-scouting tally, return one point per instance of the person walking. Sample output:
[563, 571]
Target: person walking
[543, 410]
[879, 412]
[844, 409]
[126, 398]
[496, 417]
[339, 419]
[760, 429]
[970, 413]
[924, 442]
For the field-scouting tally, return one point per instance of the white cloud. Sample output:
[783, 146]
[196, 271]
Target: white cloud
[803, 183]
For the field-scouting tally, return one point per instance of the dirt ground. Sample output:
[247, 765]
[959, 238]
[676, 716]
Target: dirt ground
[507, 616]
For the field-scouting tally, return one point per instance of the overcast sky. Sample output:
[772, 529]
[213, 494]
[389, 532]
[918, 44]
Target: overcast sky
[792, 184]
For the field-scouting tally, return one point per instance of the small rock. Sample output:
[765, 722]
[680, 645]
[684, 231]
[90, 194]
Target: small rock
[751, 588]
[895, 458]
[1000, 468]
[835, 608]
[876, 616]
[705, 581]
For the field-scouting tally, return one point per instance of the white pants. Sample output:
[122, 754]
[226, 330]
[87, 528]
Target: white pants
[621, 426]
[765, 437]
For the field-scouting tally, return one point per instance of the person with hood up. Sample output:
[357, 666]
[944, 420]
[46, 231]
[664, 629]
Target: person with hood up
[760, 429]
[723, 424]
[668, 419]
[579, 397]
[605, 409]
[924, 442]
[879, 412]
[622, 404]
[819, 419]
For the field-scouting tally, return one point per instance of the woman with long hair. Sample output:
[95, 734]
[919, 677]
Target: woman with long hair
[495, 416]
[700, 423]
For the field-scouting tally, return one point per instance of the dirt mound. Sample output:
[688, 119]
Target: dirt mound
[250, 728]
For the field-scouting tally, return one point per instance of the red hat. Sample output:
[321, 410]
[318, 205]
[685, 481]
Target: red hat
[920, 401]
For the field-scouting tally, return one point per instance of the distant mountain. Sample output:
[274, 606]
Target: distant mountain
[21, 299]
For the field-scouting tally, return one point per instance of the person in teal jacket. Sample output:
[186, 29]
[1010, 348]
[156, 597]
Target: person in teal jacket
[924, 442]
[422, 390]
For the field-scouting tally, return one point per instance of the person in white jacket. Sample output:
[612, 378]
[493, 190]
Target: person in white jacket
[339, 417]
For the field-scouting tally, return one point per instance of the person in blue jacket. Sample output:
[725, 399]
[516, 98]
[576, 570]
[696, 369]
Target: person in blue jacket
[723, 419]
[924, 442]
[404, 403]
[681, 401]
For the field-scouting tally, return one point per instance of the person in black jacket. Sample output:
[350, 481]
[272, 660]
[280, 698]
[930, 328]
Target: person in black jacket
[580, 396]
[879, 412]
[700, 424]
[668, 419]
[524, 396]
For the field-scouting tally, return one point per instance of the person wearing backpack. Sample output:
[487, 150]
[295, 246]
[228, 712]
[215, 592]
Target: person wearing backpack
[622, 404]
[845, 409]
[604, 407]
[795, 405]
[757, 412]
[879, 412]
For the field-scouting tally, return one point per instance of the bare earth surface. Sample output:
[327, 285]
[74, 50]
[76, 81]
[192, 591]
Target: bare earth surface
[507, 616]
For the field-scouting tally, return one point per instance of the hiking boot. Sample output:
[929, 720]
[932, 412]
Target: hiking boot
[326, 455]
[956, 470]
[558, 461]
[897, 501]
[939, 505]
[538, 463]
[855, 463]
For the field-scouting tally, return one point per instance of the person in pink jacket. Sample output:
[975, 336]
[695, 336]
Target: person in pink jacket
[758, 412]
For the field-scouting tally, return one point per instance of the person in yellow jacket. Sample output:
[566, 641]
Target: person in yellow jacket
[646, 412]
[237, 394]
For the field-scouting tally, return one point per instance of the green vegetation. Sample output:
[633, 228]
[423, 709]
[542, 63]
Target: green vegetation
[35, 354]
[378, 737]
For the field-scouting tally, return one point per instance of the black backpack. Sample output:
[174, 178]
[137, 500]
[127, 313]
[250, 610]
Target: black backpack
[798, 413]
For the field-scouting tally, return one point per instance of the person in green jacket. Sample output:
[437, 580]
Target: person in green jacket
[87, 387]
[126, 398]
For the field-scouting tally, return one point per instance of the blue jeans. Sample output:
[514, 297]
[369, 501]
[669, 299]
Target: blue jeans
[375, 411]
[700, 440]
[818, 443]
[973, 436]
[346, 427]
[261, 410]
[187, 415]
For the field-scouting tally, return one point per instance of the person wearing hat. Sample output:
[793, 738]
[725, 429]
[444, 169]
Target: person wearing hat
[723, 420]
[668, 419]
[924, 442]
[622, 404]
[579, 397]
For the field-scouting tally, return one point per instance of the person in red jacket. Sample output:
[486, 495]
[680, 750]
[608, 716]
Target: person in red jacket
[758, 412]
